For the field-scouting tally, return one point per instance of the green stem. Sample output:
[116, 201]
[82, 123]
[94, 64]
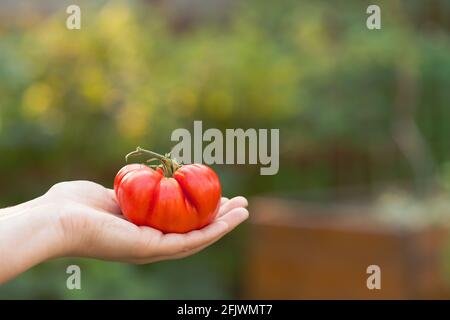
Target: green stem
[169, 165]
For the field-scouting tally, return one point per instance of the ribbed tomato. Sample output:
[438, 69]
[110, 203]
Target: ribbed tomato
[171, 197]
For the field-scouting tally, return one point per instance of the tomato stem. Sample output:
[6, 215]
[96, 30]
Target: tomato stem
[169, 165]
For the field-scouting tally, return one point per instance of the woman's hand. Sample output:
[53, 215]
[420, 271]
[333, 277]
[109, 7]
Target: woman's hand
[92, 225]
[82, 218]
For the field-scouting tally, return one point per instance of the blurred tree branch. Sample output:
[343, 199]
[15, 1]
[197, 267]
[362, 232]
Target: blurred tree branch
[406, 133]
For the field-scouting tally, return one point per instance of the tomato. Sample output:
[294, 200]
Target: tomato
[169, 197]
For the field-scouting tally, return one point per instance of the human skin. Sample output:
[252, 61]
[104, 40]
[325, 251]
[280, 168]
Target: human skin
[82, 219]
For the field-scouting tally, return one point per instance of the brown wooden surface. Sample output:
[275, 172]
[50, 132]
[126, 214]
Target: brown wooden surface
[297, 251]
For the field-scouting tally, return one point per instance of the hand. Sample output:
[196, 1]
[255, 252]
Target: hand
[91, 225]
[82, 218]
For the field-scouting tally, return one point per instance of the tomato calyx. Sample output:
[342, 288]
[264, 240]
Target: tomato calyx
[167, 164]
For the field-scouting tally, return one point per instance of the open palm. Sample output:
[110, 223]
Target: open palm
[93, 226]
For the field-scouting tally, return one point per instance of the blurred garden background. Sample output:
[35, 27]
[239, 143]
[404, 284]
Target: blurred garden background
[364, 121]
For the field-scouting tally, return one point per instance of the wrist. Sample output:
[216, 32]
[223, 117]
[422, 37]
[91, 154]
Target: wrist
[40, 217]
[27, 237]
[49, 234]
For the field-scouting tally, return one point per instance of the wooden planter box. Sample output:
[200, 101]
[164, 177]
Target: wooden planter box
[299, 251]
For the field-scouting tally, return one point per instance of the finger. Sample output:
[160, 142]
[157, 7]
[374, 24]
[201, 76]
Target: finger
[110, 203]
[175, 244]
[235, 217]
[173, 256]
[113, 238]
[95, 195]
[120, 215]
[223, 200]
[235, 202]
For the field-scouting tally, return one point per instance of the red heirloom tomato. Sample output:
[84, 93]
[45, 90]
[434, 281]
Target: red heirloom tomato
[170, 197]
